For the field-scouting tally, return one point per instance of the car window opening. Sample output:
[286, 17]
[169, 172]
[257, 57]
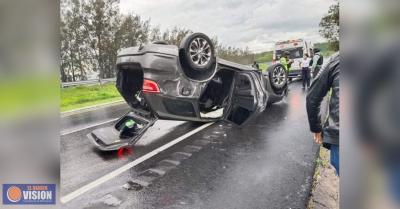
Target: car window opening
[215, 97]
[295, 53]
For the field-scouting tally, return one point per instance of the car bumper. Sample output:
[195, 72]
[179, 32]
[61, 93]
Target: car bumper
[294, 73]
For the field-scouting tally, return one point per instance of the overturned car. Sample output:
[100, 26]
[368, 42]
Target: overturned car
[189, 83]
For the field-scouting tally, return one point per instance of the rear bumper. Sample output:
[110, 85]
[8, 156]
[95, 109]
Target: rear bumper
[178, 96]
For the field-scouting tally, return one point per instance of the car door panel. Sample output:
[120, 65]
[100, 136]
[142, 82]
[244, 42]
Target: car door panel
[245, 98]
[109, 137]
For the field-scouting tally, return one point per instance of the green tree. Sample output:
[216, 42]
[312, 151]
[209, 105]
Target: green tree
[92, 32]
[73, 41]
[132, 31]
[329, 26]
[175, 36]
[101, 23]
[155, 34]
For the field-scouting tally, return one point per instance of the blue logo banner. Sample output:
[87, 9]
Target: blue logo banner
[29, 194]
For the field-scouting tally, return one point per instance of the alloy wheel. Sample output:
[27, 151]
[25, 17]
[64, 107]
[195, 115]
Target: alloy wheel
[278, 76]
[200, 52]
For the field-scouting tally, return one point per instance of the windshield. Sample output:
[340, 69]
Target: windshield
[294, 53]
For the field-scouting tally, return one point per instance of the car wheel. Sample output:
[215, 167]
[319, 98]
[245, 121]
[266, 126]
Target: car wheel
[197, 56]
[278, 78]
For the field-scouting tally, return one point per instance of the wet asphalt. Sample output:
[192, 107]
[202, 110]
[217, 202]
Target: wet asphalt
[268, 163]
[71, 122]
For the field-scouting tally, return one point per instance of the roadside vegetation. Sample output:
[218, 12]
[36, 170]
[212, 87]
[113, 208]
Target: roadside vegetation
[83, 96]
[264, 57]
[326, 49]
[92, 32]
[330, 27]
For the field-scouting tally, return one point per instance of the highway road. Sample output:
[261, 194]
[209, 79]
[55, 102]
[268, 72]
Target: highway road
[268, 163]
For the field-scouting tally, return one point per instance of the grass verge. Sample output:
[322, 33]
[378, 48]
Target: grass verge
[84, 96]
[263, 66]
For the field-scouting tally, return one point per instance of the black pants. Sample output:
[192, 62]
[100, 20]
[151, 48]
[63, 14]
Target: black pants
[305, 75]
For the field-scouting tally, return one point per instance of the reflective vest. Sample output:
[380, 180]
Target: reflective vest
[284, 62]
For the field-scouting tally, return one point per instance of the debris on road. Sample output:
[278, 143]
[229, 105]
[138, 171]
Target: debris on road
[130, 185]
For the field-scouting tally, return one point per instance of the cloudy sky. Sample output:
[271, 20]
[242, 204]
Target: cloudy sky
[240, 23]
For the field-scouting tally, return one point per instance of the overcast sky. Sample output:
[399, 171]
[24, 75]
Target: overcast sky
[240, 23]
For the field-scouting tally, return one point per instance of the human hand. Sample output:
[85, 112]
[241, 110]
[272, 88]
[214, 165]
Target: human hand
[318, 138]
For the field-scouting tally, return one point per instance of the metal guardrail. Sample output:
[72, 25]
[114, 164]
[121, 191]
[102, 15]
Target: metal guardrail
[88, 82]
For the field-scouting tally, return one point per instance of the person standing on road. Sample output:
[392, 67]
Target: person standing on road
[328, 133]
[305, 71]
[256, 66]
[285, 61]
[317, 62]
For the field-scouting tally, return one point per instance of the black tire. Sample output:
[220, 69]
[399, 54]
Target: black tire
[278, 78]
[197, 56]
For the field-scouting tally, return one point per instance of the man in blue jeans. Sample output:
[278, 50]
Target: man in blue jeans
[326, 83]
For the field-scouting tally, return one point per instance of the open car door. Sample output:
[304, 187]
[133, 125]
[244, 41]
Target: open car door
[125, 132]
[248, 98]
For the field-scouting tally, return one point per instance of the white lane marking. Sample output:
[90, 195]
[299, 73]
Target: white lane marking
[63, 133]
[128, 166]
[90, 108]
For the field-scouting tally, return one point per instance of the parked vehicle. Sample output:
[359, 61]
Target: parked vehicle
[189, 83]
[297, 48]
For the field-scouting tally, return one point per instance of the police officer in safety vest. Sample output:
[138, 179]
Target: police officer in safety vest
[285, 61]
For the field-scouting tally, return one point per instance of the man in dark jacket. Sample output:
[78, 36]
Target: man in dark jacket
[326, 81]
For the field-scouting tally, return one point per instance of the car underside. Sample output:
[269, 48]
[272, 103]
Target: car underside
[188, 83]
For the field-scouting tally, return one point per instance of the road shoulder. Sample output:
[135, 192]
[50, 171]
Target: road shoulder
[325, 191]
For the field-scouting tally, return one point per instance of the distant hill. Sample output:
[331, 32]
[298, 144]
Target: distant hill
[264, 56]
